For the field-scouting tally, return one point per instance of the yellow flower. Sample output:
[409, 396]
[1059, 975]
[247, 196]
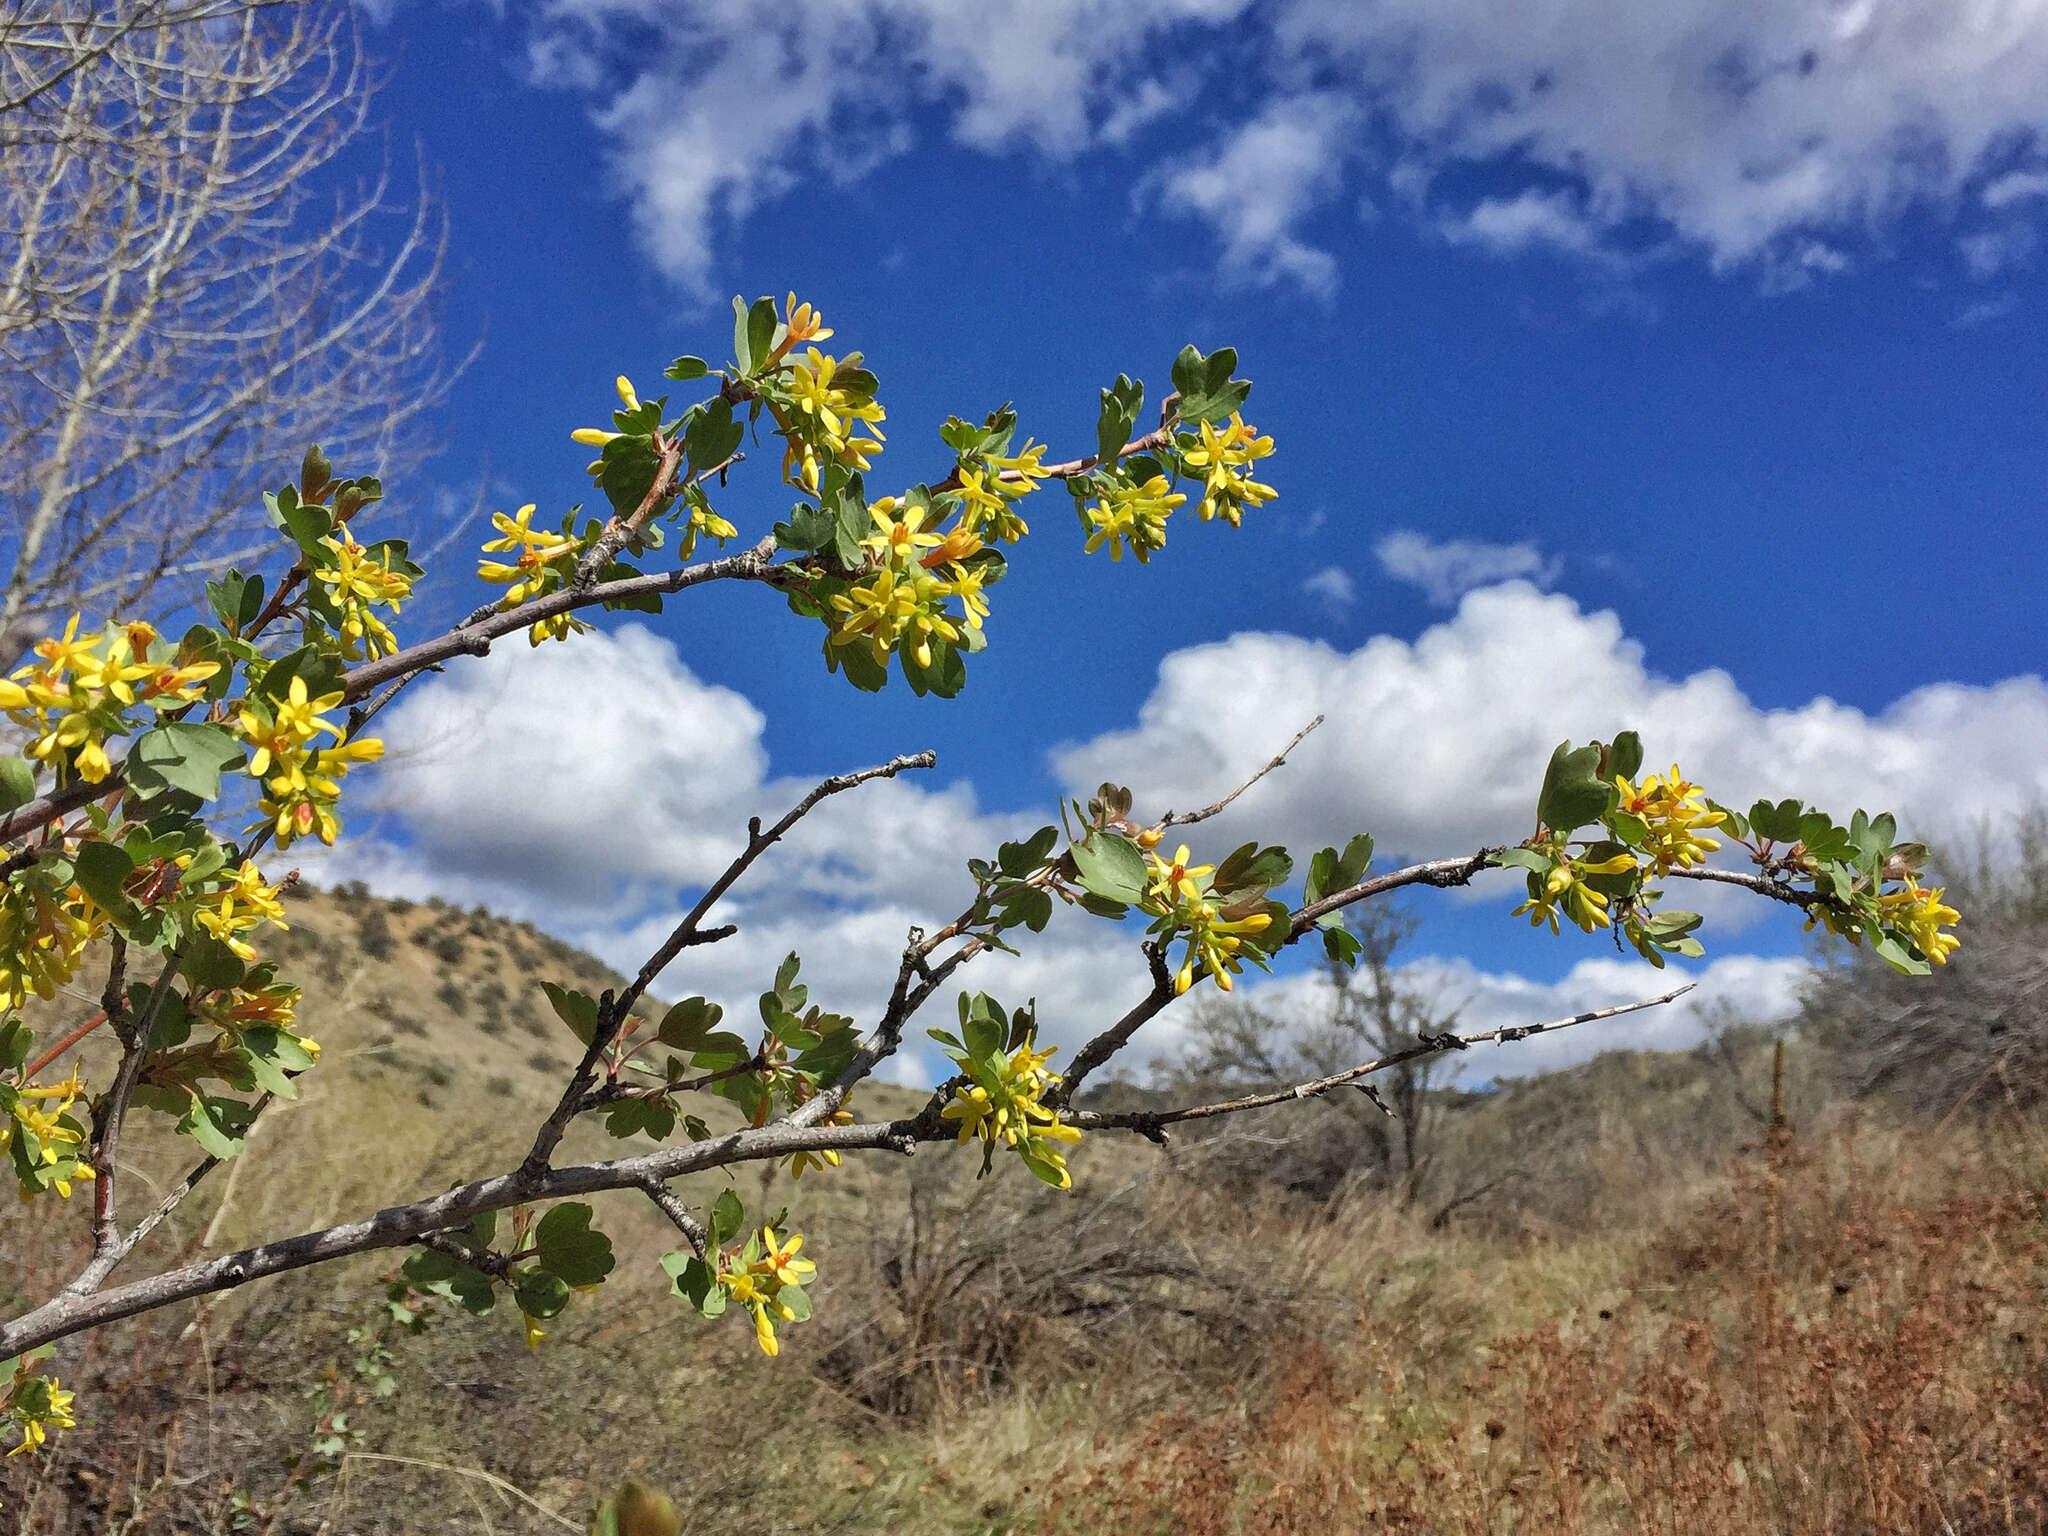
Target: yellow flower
[359, 584]
[804, 324]
[1675, 812]
[628, 396]
[1923, 915]
[1222, 457]
[1178, 879]
[1133, 515]
[244, 903]
[901, 538]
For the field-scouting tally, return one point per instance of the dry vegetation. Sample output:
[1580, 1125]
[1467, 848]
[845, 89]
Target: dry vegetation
[1673, 1320]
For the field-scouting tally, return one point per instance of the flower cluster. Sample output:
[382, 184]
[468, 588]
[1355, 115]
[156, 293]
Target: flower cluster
[766, 1277]
[542, 562]
[42, 1138]
[1214, 933]
[1223, 457]
[358, 581]
[1564, 889]
[301, 781]
[1132, 514]
[1924, 917]
[1673, 813]
[991, 485]
[45, 926]
[915, 575]
[245, 902]
[826, 412]
[76, 697]
[35, 1405]
[1000, 1103]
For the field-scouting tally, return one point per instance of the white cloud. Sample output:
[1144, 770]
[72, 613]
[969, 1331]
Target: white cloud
[1510, 225]
[1446, 570]
[1261, 182]
[1333, 584]
[714, 106]
[1437, 746]
[1787, 137]
[594, 787]
[1746, 128]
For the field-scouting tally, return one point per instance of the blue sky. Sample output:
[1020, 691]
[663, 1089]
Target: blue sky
[1672, 371]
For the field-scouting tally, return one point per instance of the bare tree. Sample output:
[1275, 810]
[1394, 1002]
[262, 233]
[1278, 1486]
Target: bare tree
[1393, 1127]
[180, 307]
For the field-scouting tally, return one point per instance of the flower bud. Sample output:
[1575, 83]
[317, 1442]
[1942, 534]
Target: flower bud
[643, 1511]
[591, 437]
[625, 388]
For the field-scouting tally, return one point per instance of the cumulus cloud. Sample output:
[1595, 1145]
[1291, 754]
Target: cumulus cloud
[1787, 138]
[1436, 745]
[595, 788]
[1446, 570]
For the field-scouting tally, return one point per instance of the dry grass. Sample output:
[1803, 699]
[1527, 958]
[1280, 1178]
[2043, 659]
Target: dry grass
[1849, 1337]
[1838, 1332]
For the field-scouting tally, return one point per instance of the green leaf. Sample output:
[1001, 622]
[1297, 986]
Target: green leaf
[1780, 822]
[684, 1026]
[1357, 859]
[694, 1281]
[101, 869]
[1252, 869]
[728, 1215]
[236, 599]
[686, 368]
[272, 1057]
[576, 1009]
[183, 754]
[17, 783]
[541, 1293]
[210, 963]
[808, 528]
[306, 524]
[1114, 426]
[761, 328]
[1110, 866]
[640, 1117]
[1341, 945]
[1573, 793]
[1625, 756]
[984, 1028]
[712, 436]
[568, 1246]
[1207, 391]
[438, 1274]
[321, 672]
[218, 1125]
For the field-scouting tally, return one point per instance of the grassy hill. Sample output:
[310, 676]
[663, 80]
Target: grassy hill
[1661, 1316]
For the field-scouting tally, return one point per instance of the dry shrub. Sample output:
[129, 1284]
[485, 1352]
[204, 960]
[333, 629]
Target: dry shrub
[967, 1297]
[1849, 1338]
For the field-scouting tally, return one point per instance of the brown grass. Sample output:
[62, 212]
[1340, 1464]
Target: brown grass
[1847, 1338]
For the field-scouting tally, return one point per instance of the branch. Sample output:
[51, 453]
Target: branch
[1149, 1122]
[1763, 885]
[678, 1213]
[404, 1225]
[612, 1015]
[1173, 819]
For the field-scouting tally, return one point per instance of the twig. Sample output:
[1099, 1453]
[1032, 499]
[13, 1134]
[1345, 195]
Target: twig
[678, 1213]
[1149, 1121]
[1172, 819]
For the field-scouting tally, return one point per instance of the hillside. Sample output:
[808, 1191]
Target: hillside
[1176, 1347]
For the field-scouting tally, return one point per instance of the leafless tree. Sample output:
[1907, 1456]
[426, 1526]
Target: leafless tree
[1393, 1127]
[193, 287]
